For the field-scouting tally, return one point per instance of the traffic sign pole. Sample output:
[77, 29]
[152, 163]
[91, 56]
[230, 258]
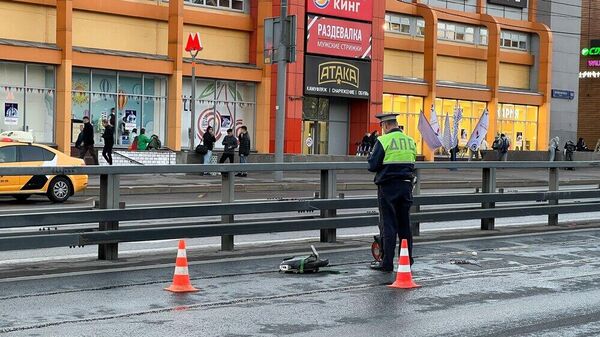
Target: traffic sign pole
[281, 91]
[193, 46]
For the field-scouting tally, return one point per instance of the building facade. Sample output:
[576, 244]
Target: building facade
[589, 76]
[565, 21]
[61, 60]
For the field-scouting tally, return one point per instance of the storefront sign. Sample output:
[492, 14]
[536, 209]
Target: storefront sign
[348, 9]
[594, 51]
[338, 37]
[589, 74]
[563, 94]
[510, 3]
[11, 113]
[325, 76]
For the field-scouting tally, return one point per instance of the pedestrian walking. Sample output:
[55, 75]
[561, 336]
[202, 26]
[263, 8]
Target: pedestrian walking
[244, 150]
[230, 143]
[109, 141]
[87, 140]
[553, 147]
[570, 148]
[501, 145]
[392, 160]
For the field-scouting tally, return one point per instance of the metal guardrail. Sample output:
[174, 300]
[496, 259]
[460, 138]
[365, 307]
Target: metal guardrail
[109, 213]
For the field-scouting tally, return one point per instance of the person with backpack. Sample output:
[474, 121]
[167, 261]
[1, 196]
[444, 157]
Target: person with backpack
[155, 143]
[501, 145]
[570, 148]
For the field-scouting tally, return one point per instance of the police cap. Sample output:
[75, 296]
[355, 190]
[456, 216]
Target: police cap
[386, 117]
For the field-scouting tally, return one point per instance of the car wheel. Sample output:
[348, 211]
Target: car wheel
[21, 197]
[59, 189]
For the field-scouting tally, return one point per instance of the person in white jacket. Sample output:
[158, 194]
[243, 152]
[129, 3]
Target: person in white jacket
[553, 148]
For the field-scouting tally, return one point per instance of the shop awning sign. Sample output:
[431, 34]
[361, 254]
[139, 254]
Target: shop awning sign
[348, 9]
[324, 76]
[335, 37]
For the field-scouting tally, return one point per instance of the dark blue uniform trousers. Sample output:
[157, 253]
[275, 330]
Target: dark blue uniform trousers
[395, 200]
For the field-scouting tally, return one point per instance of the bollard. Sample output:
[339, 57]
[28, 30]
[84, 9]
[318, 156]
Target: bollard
[328, 190]
[553, 186]
[109, 199]
[227, 196]
[488, 185]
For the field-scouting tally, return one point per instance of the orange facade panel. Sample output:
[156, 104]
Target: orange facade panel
[101, 61]
[464, 93]
[519, 98]
[224, 72]
[29, 54]
[405, 88]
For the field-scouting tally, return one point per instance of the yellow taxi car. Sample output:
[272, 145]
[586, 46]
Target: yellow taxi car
[18, 150]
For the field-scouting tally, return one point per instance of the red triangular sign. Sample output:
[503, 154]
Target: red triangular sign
[193, 43]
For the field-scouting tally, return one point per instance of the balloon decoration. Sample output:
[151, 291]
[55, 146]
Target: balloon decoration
[137, 89]
[105, 86]
[121, 100]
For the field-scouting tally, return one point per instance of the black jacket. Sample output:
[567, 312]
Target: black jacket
[244, 144]
[209, 141]
[88, 134]
[109, 136]
[388, 172]
[230, 143]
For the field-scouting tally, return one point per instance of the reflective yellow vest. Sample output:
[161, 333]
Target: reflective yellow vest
[398, 147]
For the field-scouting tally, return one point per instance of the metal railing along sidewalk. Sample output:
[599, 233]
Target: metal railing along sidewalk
[109, 213]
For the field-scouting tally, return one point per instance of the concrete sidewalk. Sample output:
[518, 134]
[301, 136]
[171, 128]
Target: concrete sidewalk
[347, 181]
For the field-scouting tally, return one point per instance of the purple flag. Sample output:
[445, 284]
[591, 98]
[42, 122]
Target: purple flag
[429, 136]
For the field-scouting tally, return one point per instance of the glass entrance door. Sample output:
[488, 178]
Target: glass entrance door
[314, 135]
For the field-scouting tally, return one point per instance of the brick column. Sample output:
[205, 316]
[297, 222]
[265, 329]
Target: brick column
[544, 84]
[64, 40]
[493, 73]
[263, 10]
[429, 65]
[378, 50]
[175, 50]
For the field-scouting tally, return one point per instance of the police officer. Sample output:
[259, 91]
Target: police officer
[392, 160]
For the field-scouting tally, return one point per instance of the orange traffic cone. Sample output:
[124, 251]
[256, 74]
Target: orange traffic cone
[181, 278]
[404, 276]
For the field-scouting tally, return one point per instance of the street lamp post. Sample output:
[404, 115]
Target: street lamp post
[193, 46]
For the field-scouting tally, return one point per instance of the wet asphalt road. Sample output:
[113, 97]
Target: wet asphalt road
[530, 285]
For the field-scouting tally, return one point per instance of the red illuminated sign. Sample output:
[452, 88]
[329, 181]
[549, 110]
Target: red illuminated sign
[193, 43]
[338, 37]
[348, 9]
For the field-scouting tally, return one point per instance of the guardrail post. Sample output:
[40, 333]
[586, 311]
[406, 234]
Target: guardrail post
[227, 196]
[553, 186]
[328, 191]
[416, 226]
[109, 199]
[488, 186]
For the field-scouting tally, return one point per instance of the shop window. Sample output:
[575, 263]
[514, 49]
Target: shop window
[519, 124]
[221, 104]
[408, 109]
[136, 100]
[28, 94]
